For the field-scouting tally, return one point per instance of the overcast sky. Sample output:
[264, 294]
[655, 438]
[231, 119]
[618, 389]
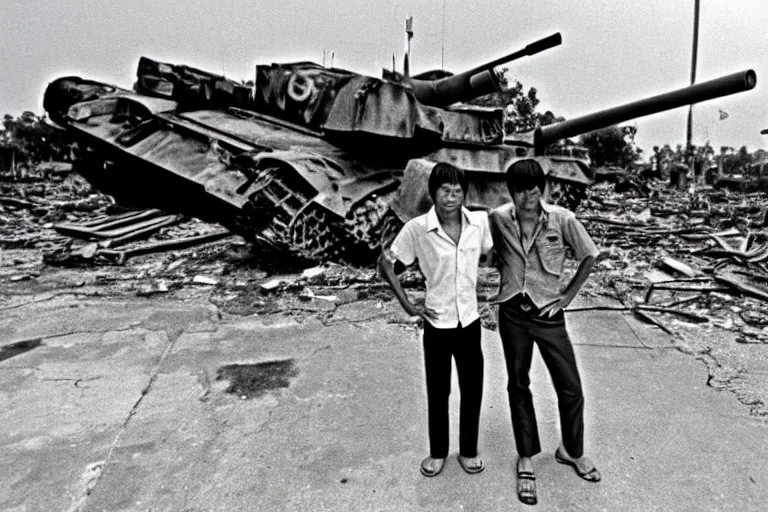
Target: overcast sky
[613, 51]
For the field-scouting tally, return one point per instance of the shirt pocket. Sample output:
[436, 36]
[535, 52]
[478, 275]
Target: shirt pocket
[549, 245]
[469, 258]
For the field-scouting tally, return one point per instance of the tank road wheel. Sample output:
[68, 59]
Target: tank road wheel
[361, 220]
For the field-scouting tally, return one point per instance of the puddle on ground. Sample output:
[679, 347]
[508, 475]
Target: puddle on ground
[247, 380]
[14, 349]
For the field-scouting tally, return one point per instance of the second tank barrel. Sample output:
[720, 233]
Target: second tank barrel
[716, 88]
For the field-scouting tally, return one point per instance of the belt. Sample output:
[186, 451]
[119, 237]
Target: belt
[522, 303]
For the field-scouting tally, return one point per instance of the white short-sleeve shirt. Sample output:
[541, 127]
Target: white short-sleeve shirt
[450, 270]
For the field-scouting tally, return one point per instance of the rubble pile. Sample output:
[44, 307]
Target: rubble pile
[671, 257]
[56, 219]
[693, 257]
[30, 206]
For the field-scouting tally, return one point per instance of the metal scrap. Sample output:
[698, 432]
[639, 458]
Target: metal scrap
[713, 240]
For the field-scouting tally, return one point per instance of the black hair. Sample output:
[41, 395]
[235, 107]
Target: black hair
[446, 173]
[525, 175]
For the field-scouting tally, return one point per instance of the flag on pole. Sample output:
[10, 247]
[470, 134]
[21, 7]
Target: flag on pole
[723, 114]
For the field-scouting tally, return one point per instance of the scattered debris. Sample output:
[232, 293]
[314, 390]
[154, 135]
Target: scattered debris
[665, 255]
[205, 280]
[697, 253]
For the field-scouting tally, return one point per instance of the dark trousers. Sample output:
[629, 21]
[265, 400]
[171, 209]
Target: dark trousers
[519, 330]
[463, 344]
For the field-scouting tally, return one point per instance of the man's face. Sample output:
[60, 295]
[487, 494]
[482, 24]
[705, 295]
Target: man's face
[449, 197]
[527, 200]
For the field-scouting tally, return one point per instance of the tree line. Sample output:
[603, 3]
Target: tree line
[30, 139]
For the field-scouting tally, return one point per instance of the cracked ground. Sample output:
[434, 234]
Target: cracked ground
[115, 396]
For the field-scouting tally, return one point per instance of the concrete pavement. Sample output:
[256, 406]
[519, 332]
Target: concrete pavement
[119, 409]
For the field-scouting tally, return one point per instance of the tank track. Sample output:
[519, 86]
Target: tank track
[361, 221]
[280, 214]
[271, 207]
[387, 228]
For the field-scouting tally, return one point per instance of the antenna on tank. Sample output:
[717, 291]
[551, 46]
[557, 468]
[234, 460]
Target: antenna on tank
[408, 36]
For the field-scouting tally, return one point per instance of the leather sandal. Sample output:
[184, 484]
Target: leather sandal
[526, 493]
[432, 470]
[472, 470]
[591, 475]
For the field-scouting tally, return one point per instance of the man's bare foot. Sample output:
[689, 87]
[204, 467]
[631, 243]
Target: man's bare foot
[526, 481]
[471, 465]
[583, 466]
[431, 466]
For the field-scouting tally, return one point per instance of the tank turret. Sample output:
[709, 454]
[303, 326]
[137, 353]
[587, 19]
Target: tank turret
[567, 177]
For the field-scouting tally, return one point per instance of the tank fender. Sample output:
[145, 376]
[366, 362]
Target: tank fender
[412, 198]
[128, 103]
[355, 190]
[322, 176]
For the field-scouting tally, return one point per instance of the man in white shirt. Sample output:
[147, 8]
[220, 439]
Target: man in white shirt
[447, 242]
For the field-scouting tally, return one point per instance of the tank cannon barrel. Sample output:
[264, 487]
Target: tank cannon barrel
[716, 88]
[532, 49]
[475, 82]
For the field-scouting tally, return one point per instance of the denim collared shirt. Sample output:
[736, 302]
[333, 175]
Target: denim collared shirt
[450, 269]
[536, 270]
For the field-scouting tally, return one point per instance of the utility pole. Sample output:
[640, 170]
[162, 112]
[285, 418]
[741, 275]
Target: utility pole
[689, 129]
[442, 41]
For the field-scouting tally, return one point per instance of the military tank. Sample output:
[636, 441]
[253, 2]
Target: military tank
[568, 177]
[306, 159]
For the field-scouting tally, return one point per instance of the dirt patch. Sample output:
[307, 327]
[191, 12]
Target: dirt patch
[253, 380]
[14, 349]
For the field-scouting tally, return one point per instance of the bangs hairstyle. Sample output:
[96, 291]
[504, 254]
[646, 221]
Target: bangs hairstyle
[446, 173]
[525, 175]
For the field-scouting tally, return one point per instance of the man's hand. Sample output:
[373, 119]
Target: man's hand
[561, 302]
[566, 295]
[422, 311]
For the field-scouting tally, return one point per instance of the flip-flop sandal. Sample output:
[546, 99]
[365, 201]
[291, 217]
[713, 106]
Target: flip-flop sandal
[472, 470]
[527, 496]
[593, 475]
[426, 471]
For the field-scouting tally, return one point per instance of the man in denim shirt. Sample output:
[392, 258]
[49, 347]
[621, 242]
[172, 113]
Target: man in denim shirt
[530, 238]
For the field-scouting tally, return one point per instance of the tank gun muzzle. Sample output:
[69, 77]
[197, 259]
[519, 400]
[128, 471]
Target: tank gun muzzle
[716, 88]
